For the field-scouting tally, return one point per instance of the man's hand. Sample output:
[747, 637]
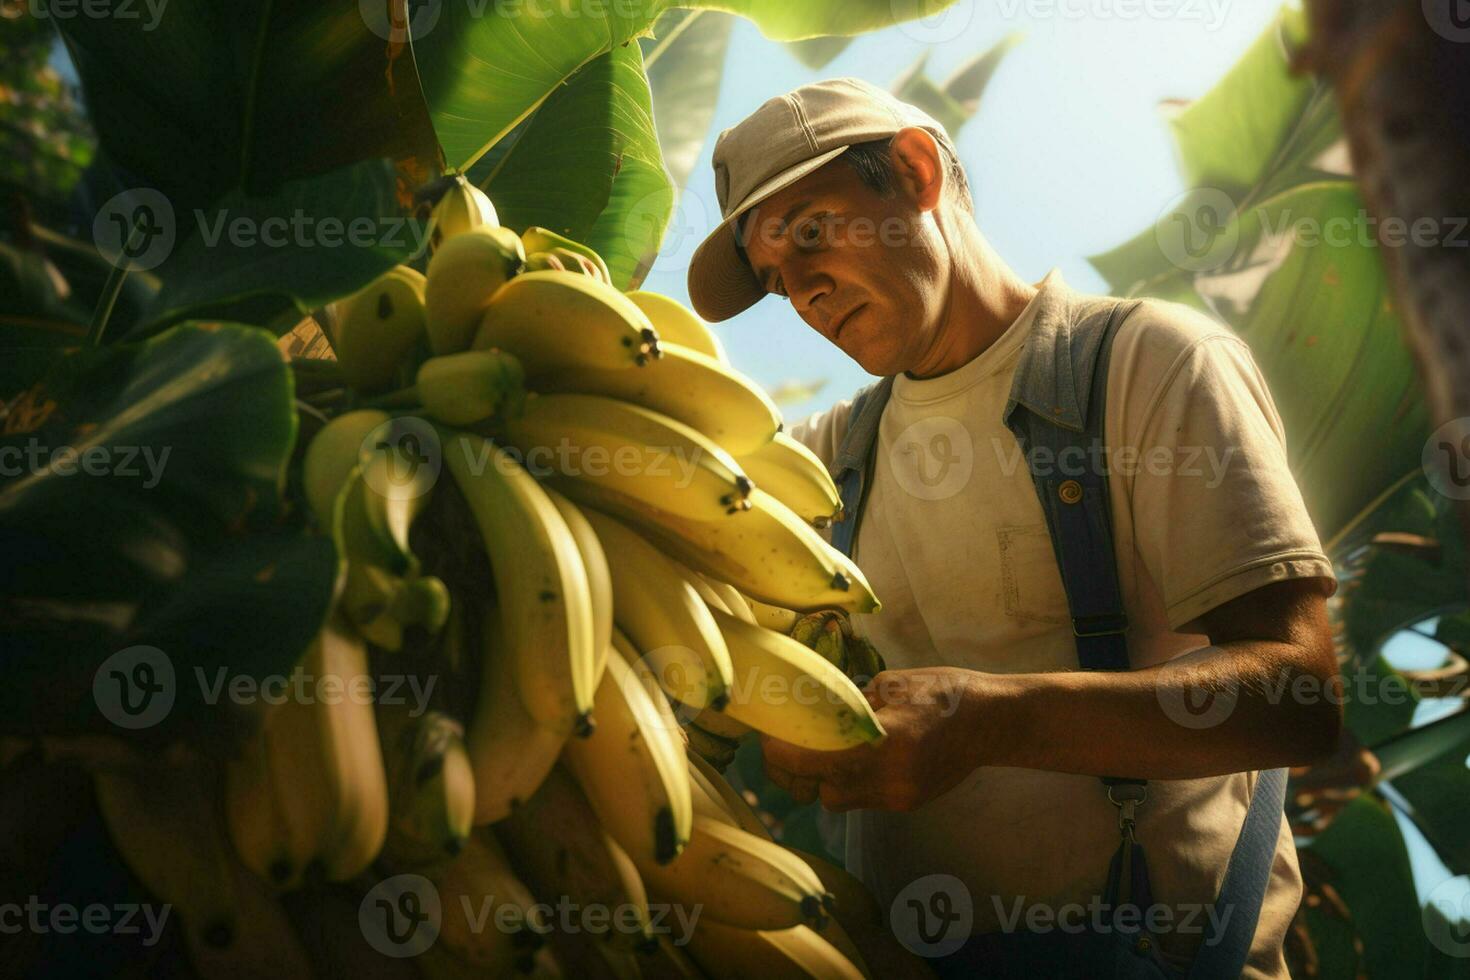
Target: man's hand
[933, 733]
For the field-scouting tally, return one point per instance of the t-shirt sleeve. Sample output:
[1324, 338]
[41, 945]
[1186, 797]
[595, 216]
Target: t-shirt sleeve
[1216, 510]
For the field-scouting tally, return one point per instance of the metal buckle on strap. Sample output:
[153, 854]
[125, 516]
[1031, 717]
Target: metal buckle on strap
[1099, 625]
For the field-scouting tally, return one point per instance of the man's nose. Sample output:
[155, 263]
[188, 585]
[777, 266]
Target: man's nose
[806, 291]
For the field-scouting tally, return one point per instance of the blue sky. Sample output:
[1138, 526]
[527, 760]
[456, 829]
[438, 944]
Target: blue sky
[1068, 156]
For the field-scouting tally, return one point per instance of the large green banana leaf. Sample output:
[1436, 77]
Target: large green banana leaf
[310, 241]
[486, 69]
[598, 130]
[685, 60]
[1368, 862]
[259, 113]
[247, 95]
[1269, 238]
[168, 528]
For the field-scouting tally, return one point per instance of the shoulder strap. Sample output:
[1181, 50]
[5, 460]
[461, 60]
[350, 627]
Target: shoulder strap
[1225, 947]
[1069, 468]
[852, 464]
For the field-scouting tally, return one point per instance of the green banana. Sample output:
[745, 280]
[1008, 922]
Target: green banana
[463, 274]
[462, 208]
[380, 325]
[332, 455]
[431, 787]
[471, 386]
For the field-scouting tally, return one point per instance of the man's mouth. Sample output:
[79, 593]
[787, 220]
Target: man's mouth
[843, 322]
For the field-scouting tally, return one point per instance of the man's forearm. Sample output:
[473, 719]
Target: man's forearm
[1233, 707]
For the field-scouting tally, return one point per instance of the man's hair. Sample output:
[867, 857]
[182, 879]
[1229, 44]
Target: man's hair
[873, 164]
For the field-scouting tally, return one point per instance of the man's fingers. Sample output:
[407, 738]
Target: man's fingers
[793, 758]
[839, 797]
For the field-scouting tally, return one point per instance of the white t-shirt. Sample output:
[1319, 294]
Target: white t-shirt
[954, 542]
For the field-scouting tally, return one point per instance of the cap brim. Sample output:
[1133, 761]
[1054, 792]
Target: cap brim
[720, 283]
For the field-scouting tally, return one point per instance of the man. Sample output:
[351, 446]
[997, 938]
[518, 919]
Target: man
[853, 207]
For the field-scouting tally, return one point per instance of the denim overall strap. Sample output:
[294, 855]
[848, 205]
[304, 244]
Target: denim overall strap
[1223, 952]
[1057, 410]
[854, 459]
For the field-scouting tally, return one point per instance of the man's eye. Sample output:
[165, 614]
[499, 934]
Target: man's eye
[810, 232]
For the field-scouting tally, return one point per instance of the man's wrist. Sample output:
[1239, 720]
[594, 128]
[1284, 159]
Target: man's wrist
[995, 708]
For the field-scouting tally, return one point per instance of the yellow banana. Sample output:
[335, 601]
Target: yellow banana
[861, 918]
[490, 919]
[710, 397]
[310, 797]
[773, 617]
[378, 326]
[562, 851]
[465, 272]
[510, 751]
[727, 800]
[552, 320]
[471, 386]
[664, 618]
[729, 953]
[629, 451]
[632, 769]
[461, 208]
[730, 598]
[540, 580]
[678, 324]
[538, 239]
[644, 673]
[431, 785]
[787, 691]
[166, 825]
[331, 456]
[767, 552]
[792, 473]
[599, 577]
[738, 879]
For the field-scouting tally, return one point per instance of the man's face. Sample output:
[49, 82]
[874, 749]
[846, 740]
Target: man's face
[869, 273]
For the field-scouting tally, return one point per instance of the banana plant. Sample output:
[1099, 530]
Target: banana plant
[248, 138]
[1269, 239]
[149, 520]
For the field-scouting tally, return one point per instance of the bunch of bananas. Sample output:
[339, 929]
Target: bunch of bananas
[638, 538]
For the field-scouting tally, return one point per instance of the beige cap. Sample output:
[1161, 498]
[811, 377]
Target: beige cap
[787, 138]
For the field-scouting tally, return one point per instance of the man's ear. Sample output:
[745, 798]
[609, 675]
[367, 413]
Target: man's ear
[918, 166]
